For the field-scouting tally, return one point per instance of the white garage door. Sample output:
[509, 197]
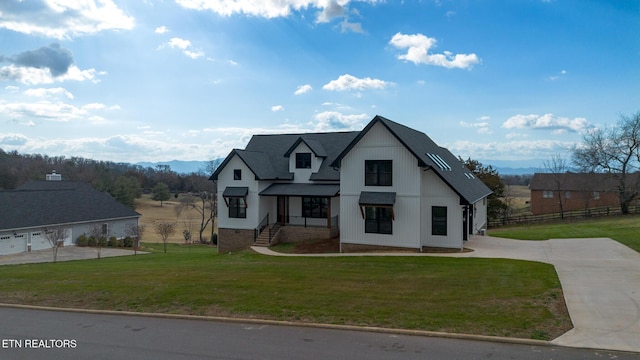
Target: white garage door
[39, 242]
[13, 244]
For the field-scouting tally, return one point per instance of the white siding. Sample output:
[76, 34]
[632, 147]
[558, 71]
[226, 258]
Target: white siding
[379, 144]
[302, 175]
[225, 178]
[436, 192]
[480, 215]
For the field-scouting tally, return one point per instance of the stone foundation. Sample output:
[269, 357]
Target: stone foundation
[293, 234]
[234, 239]
[350, 248]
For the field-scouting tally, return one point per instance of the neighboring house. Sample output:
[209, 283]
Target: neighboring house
[551, 192]
[27, 213]
[387, 186]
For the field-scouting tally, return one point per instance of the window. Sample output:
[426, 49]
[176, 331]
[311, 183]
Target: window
[567, 194]
[547, 194]
[105, 229]
[378, 220]
[314, 207]
[596, 195]
[237, 174]
[303, 160]
[439, 220]
[378, 172]
[237, 207]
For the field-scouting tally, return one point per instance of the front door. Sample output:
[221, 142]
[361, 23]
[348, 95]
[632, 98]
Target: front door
[281, 210]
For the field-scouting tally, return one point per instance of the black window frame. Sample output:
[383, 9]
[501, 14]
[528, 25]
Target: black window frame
[439, 221]
[378, 220]
[237, 207]
[237, 174]
[378, 172]
[315, 207]
[303, 160]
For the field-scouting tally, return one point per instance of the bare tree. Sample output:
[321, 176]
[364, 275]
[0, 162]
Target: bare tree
[135, 231]
[164, 229]
[99, 232]
[56, 236]
[557, 166]
[204, 203]
[616, 151]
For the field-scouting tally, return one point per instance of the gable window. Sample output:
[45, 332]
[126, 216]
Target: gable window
[303, 160]
[314, 207]
[237, 207]
[378, 220]
[378, 172]
[439, 220]
[237, 174]
[547, 194]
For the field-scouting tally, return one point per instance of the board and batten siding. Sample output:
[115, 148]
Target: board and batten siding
[379, 144]
[436, 192]
[225, 179]
[303, 175]
[480, 215]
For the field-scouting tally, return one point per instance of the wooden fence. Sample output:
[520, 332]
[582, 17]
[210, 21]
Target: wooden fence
[567, 215]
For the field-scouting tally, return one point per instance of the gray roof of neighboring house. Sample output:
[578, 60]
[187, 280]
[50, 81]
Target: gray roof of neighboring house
[580, 181]
[267, 155]
[49, 203]
[449, 168]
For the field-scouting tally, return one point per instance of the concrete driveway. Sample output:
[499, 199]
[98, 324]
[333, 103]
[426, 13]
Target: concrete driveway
[600, 280]
[66, 253]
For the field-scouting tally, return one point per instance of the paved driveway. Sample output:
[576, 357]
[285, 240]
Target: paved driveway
[600, 279]
[65, 253]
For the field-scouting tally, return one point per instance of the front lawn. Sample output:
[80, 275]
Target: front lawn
[624, 228]
[463, 295]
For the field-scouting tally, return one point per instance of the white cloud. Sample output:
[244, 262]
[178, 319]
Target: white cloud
[547, 122]
[35, 76]
[277, 108]
[556, 77]
[48, 92]
[185, 46]
[510, 150]
[161, 30]
[303, 89]
[482, 125]
[57, 111]
[418, 47]
[349, 82]
[333, 120]
[63, 19]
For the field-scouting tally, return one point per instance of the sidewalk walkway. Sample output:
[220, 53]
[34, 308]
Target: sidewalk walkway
[600, 279]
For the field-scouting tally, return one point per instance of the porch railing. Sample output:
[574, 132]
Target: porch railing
[263, 224]
[309, 221]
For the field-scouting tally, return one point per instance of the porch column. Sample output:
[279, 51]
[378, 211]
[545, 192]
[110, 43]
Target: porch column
[328, 212]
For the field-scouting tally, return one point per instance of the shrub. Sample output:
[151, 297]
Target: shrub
[82, 240]
[92, 241]
[103, 241]
[120, 243]
[128, 241]
[112, 241]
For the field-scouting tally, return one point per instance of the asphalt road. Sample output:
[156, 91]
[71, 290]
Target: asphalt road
[39, 334]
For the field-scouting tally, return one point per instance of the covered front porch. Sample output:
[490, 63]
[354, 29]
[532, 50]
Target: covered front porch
[300, 208]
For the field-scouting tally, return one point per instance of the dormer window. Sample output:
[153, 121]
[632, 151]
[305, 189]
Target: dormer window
[237, 174]
[303, 160]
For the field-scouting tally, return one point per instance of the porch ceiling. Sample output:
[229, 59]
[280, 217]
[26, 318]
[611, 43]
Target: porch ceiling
[325, 190]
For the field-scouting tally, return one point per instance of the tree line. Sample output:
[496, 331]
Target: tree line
[123, 181]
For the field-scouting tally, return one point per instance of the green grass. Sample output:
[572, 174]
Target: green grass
[625, 229]
[463, 295]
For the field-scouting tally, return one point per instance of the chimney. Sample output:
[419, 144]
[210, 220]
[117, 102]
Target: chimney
[53, 176]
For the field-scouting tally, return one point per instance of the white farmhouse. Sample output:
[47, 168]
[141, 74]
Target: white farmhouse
[387, 186]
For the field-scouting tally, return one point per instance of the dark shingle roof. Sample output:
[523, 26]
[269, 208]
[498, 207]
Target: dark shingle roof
[297, 189]
[377, 198]
[454, 173]
[266, 155]
[47, 203]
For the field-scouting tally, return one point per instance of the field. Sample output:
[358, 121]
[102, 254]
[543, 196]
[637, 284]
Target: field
[151, 212]
[520, 197]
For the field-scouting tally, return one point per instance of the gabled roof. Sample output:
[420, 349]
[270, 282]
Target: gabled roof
[580, 181]
[266, 155]
[48, 203]
[429, 155]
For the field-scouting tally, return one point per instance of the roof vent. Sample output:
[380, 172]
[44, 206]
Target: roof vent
[54, 177]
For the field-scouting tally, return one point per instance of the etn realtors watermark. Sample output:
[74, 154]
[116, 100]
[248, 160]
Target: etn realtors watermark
[38, 344]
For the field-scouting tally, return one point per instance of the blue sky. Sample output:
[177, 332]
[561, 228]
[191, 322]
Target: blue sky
[192, 79]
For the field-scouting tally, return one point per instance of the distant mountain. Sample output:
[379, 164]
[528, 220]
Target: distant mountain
[515, 167]
[180, 166]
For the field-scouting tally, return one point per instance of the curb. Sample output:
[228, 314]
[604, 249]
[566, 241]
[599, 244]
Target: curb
[372, 329]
